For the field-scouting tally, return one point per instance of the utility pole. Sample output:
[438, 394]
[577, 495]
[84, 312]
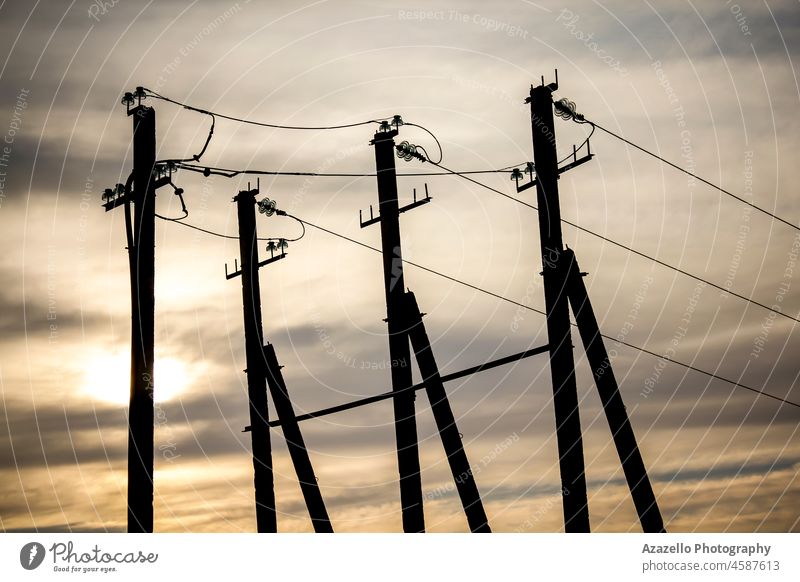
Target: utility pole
[624, 439]
[141, 412]
[266, 519]
[264, 370]
[555, 272]
[399, 351]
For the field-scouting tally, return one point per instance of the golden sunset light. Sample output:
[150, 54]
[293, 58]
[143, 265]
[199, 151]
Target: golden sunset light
[107, 378]
[456, 267]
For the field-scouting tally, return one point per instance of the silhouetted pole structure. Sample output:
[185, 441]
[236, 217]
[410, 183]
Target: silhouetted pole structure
[555, 273]
[445, 421]
[624, 439]
[266, 520]
[399, 351]
[140, 413]
[296, 444]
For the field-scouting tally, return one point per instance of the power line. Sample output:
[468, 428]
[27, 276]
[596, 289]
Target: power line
[626, 247]
[700, 370]
[196, 157]
[430, 133]
[583, 143]
[682, 272]
[539, 311]
[512, 302]
[260, 123]
[424, 268]
[229, 237]
[693, 175]
[464, 175]
[213, 115]
[231, 173]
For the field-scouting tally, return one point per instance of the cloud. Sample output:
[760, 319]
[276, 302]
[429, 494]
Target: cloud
[721, 457]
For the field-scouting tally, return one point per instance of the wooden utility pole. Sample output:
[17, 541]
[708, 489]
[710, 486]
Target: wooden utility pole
[555, 273]
[141, 411]
[266, 519]
[405, 422]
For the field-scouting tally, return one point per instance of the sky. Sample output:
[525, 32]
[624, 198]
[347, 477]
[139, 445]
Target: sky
[710, 86]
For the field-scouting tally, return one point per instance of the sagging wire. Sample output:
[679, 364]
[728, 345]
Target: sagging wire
[430, 133]
[232, 173]
[155, 95]
[231, 237]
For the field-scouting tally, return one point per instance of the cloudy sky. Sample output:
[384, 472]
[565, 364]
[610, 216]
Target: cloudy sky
[713, 87]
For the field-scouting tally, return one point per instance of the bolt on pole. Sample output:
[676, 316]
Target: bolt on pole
[555, 273]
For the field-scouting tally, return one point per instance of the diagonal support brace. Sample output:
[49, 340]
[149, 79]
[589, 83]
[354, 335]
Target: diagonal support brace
[624, 439]
[445, 421]
[296, 444]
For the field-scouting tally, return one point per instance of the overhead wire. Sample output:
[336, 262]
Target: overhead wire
[583, 143]
[231, 237]
[430, 133]
[155, 95]
[541, 312]
[510, 301]
[627, 248]
[231, 173]
[693, 175]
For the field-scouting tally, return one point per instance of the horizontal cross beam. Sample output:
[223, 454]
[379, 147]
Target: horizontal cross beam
[375, 219]
[113, 203]
[387, 395]
[561, 170]
[261, 264]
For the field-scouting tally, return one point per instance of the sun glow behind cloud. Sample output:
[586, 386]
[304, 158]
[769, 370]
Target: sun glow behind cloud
[720, 459]
[107, 377]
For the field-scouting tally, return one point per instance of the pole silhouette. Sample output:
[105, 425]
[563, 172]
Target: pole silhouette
[445, 421]
[624, 439]
[263, 479]
[555, 273]
[399, 350]
[296, 444]
[142, 263]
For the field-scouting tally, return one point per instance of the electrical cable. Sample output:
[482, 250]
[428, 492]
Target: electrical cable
[230, 237]
[539, 311]
[155, 95]
[583, 143]
[627, 248]
[195, 157]
[512, 302]
[231, 173]
[430, 133]
[693, 175]
[173, 219]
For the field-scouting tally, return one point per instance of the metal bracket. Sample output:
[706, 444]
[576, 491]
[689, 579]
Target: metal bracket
[238, 271]
[373, 219]
[576, 161]
[112, 204]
